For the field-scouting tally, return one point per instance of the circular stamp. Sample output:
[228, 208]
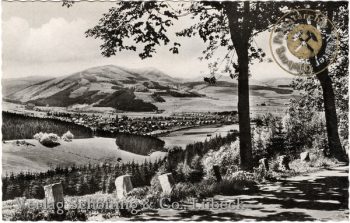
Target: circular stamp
[304, 42]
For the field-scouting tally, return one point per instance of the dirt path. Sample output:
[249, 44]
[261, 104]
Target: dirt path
[316, 196]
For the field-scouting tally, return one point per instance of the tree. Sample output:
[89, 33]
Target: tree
[333, 11]
[37, 192]
[323, 96]
[110, 186]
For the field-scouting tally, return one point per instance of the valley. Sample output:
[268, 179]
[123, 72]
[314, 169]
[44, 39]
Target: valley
[108, 100]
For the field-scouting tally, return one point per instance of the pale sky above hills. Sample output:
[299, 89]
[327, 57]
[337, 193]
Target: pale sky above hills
[44, 38]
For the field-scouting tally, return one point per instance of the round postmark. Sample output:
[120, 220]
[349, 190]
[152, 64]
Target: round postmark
[304, 42]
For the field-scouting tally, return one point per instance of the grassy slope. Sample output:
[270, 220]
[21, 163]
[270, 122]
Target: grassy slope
[80, 151]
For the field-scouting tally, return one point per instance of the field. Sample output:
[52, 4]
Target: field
[221, 98]
[38, 158]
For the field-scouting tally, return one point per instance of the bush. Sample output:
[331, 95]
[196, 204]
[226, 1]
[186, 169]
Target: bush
[38, 136]
[68, 136]
[49, 140]
[262, 139]
[139, 192]
[319, 160]
[186, 173]
[226, 157]
[230, 185]
[305, 128]
[183, 191]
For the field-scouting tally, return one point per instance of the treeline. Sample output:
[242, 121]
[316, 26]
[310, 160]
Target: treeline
[126, 100]
[139, 144]
[157, 97]
[177, 154]
[77, 181]
[18, 126]
[180, 94]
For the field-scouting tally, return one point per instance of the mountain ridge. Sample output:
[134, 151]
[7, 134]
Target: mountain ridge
[114, 86]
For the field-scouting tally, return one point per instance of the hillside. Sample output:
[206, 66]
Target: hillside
[105, 86]
[11, 85]
[138, 90]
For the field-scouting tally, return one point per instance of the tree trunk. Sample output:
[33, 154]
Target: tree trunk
[245, 138]
[334, 144]
[240, 34]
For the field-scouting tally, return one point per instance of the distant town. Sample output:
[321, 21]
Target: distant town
[152, 125]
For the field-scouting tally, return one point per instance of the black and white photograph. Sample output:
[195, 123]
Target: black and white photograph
[120, 110]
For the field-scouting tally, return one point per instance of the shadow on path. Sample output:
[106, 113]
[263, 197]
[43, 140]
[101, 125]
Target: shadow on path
[315, 196]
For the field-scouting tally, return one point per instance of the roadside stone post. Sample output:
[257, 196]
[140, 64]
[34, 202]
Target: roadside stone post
[123, 185]
[166, 182]
[216, 169]
[54, 196]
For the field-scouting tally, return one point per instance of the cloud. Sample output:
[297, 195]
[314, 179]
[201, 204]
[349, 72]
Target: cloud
[59, 47]
[55, 41]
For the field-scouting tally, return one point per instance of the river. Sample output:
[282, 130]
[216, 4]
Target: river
[197, 134]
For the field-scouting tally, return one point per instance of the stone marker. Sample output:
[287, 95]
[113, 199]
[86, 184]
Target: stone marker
[263, 164]
[166, 182]
[305, 156]
[216, 169]
[283, 163]
[54, 195]
[123, 185]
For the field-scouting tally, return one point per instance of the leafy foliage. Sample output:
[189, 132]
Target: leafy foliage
[227, 157]
[145, 23]
[304, 126]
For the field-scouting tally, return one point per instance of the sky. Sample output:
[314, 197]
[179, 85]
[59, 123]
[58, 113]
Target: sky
[44, 38]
